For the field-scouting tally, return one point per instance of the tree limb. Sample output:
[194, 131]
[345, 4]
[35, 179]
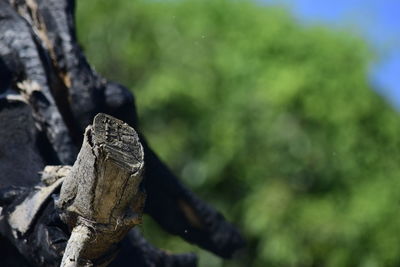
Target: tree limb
[102, 195]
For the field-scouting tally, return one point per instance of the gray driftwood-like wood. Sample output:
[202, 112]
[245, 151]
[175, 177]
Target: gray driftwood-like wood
[46, 79]
[102, 195]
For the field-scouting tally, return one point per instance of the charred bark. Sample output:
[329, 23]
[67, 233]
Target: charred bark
[46, 79]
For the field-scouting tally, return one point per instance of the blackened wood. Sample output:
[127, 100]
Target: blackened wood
[182, 213]
[20, 160]
[175, 207]
[135, 249]
[31, 79]
[54, 23]
[41, 59]
[84, 85]
[28, 220]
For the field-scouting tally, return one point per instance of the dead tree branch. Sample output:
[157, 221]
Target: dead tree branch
[45, 77]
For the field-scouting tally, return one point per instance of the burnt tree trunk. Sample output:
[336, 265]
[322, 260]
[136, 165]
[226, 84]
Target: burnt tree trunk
[49, 94]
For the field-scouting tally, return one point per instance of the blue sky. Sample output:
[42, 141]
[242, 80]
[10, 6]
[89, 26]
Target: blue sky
[377, 20]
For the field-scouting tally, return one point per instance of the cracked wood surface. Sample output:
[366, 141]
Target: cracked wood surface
[102, 195]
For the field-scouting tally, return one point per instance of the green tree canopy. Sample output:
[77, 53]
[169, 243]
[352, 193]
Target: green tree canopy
[273, 122]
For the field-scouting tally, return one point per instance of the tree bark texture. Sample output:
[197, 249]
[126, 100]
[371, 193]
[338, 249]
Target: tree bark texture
[101, 196]
[49, 95]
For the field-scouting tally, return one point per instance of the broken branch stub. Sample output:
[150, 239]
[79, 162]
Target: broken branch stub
[102, 196]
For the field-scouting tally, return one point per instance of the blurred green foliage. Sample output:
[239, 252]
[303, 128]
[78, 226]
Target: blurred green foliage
[273, 122]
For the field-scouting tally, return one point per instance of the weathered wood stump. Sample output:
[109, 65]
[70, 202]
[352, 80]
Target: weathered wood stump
[101, 196]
